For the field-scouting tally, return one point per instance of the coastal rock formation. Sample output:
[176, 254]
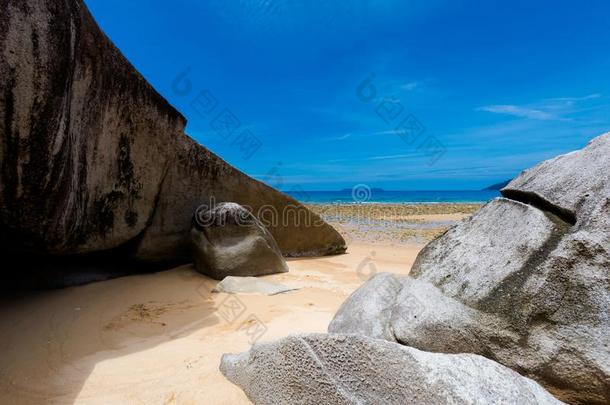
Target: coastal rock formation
[93, 159]
[417, 312]
[351, 369]
[369, 309]
[525, 281]
[229, 241]
[571, 186]
[513, 231]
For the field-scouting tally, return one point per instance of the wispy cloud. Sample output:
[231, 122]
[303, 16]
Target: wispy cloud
[387, 132]
[342, 137]
[331, 138]
[523, 112]
[353, 135]
[550, 109]
[387, 157]
[575, 99]
[410, 86]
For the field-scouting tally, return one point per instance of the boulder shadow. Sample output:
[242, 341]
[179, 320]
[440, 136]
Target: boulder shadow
[52, 340]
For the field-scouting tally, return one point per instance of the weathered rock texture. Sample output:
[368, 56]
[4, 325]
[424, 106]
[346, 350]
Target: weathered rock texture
[94, 159]
[351, 369]
[250, 285]
[229, 241]
[368, 310]
[525, 281]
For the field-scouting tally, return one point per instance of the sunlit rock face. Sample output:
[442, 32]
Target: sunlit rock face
[525, 281]
[351, 369]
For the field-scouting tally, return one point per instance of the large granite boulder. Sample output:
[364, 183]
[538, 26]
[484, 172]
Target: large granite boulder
[368, 310]
[351, 369]
[229, 241]
[93, 159]
[525, 281]
[570, 185]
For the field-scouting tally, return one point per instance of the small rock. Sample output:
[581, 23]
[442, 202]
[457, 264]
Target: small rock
[249, 285]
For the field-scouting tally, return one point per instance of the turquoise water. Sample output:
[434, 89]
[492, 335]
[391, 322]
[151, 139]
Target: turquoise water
[365, 195]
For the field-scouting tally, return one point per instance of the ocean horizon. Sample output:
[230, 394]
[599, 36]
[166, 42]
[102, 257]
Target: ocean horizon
[372, 196]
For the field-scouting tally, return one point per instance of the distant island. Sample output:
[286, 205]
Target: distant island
[373, 190]
[497, 186]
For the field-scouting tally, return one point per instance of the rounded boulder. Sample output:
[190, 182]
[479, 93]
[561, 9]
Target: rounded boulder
[229, 241]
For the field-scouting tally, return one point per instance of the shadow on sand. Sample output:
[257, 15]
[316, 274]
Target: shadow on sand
[52, 340]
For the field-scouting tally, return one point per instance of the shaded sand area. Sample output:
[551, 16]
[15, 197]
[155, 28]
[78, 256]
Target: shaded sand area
[158, 338]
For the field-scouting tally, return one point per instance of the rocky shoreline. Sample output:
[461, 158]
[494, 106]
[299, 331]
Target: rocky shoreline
[393, 223]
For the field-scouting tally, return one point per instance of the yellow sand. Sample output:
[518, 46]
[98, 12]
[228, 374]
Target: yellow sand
[158, 338]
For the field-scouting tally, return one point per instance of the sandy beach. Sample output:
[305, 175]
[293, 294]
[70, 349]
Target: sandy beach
[393, 223]
[158, 338]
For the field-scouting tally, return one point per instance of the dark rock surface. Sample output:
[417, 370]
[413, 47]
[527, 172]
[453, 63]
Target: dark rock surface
[229, 241]
[93, 159]
[525, 281]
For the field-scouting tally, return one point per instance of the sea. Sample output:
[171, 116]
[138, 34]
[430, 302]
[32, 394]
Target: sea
[367, 195]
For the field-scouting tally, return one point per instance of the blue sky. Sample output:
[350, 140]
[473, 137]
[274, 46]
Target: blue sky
[498, 86]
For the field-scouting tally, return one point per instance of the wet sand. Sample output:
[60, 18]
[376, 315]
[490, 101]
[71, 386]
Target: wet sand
[393, 223]
[158, 338]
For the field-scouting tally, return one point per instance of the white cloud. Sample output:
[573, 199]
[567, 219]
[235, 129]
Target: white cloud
[523, 112]
[574, 99]
[387, 132]
[386, 157]
[410, 86]
[333, 138]
[550, 109]
[342, 137]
